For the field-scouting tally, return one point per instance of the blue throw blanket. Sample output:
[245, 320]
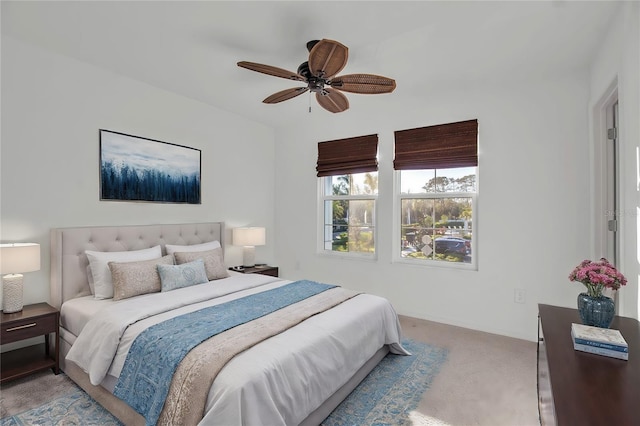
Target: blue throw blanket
[156, 352]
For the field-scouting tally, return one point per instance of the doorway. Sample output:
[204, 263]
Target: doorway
[608, 220]
[611, 177]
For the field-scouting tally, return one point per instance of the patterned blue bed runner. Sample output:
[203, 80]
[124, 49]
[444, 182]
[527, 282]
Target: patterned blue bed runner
[157, 351]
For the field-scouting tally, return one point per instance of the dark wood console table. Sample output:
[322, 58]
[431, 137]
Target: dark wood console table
[586, 389]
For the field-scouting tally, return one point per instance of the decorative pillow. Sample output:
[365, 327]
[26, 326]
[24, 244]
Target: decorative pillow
[98, 262]
[173, 277]
[136, 278]
[213, 262]
[172, 248]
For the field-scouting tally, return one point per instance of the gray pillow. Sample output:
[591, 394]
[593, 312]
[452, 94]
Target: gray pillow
[177, 276]
[213, 262]
[136, 278]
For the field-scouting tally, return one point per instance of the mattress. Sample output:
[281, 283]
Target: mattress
[75, 313]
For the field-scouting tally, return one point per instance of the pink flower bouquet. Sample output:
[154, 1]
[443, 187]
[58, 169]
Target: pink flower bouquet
[597, 276]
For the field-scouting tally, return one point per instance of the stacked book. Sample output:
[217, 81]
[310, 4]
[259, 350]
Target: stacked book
[601, 341]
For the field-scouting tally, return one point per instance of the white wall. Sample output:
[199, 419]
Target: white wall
[535, 192]
[52, 108]
[533, 221]
[618, 62]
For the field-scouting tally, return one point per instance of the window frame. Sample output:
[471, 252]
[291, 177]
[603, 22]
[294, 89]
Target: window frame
[398, 196]
[324, 183]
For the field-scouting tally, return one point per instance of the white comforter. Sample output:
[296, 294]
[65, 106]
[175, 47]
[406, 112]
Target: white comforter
[279, 381]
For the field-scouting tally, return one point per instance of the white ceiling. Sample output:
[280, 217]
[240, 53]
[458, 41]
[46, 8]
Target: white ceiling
[192, 47]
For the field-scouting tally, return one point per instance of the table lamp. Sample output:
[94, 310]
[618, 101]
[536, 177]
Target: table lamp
[249, 238]
[15, 259]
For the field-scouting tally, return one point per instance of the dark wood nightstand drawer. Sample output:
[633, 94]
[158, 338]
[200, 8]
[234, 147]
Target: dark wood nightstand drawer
[39, 319]
[29, 327]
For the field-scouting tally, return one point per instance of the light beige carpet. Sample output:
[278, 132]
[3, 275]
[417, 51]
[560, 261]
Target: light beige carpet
[486, 380]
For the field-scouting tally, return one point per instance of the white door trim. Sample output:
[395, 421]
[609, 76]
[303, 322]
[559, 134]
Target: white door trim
[603, 211]
[601, 208]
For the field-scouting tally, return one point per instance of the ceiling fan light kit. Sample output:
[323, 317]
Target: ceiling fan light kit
[326, 59]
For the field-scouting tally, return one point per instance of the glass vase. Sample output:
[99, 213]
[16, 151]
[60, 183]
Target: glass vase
[596, 311]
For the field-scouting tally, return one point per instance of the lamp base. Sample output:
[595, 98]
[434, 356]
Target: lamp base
[249, 256]
[12, 293]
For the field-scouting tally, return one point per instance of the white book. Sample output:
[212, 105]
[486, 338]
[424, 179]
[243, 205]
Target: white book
[601, 351]
[597, 334]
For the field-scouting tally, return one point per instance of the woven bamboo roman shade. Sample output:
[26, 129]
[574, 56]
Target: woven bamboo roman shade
[347, 156]
[437, 147]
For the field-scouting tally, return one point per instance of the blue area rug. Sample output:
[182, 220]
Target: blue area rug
[76, 408]
[392, 390]
[385, 397]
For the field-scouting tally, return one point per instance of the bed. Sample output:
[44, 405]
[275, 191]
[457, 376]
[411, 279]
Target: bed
[296, 374]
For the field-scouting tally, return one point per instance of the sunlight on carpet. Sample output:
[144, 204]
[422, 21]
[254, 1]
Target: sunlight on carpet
[388, 395]
[418, 419]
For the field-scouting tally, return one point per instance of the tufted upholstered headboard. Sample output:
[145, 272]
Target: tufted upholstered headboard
[69, 262]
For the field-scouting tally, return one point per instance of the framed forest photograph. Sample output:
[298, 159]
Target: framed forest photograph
[133, 168]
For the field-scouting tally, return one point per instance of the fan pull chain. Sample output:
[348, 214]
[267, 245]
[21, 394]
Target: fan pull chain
[309, 102]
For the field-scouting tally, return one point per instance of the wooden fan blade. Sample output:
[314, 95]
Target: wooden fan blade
[269, 70]
[363, 83]
[285, 94]
[327, 58]
[333, 101]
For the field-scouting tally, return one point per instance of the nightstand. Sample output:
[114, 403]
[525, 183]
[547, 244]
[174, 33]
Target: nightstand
[264, 270]
[34, 320]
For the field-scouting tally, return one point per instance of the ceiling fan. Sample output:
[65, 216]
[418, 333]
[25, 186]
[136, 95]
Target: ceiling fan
[326, 59]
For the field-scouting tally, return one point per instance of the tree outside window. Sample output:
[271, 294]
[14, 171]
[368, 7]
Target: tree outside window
[349, 212]
[436, 214]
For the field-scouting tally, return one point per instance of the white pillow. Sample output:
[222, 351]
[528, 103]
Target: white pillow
[90, 279]
[172, 248]
[99, 264]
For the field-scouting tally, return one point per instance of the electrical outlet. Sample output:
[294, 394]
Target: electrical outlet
[519, 295]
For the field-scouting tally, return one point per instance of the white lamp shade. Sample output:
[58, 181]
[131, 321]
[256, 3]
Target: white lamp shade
[19, 257]
[253, 236]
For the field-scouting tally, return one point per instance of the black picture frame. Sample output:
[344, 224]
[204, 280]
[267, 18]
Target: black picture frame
[135, 168]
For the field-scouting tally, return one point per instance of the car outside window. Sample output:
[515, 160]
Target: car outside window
[349, 213]
[437, 209]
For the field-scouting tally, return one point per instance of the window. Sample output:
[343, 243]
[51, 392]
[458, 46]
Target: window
[349, 204]
[436, 190]
[436, 214]
[348, 177]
